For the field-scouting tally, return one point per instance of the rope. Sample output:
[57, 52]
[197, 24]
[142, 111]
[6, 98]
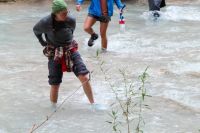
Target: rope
[36, 127]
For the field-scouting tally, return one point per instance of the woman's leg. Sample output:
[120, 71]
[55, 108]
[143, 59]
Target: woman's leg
[55, 79]
[54, 93]
[87, 87]
[103, 30]
[89, 22]
[81, 72]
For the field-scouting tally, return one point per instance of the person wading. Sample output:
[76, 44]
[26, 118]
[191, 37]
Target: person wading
[61, 49]
[99, 10]
[155, 5]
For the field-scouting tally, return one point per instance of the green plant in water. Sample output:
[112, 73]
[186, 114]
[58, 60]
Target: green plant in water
[142, 93]
[114, 122]
[131, 103]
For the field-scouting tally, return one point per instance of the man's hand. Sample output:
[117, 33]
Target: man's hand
[121, 11]
[43, 43]
[41, 40]
[78, 8]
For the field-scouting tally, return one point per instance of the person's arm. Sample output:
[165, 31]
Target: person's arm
[38, 30]
[73, 24]
[119, 4]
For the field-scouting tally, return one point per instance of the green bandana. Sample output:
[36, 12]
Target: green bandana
[58, 5]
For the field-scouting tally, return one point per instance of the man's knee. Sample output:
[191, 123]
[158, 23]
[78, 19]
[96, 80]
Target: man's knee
[83, 78]
[87, 28]
[55, 80]
[55, 87]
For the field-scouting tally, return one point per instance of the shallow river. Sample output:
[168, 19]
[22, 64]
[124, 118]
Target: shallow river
[170, 47]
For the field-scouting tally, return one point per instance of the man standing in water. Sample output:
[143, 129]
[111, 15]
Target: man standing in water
[155, 5]
[99, 10]
[61, 49]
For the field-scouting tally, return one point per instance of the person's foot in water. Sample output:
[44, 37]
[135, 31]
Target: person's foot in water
[93, 37]
[103, 50]
[53, 106]
[98, 107]
[156, 15]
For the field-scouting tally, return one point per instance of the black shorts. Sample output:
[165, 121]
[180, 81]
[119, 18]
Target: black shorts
[55, 69]
[101, 19]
